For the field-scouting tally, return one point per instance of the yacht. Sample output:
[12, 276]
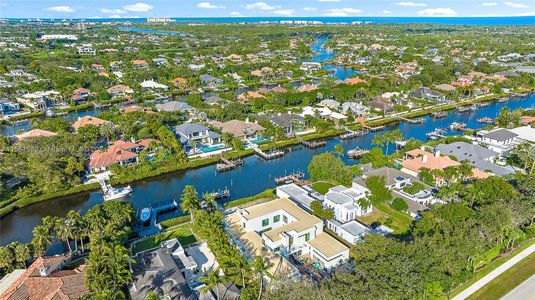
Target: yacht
[112, 193]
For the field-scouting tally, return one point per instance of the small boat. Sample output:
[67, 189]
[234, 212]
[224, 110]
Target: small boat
[457, 126]
[145, 214]
[474, 107]
[483, 104]
[503, 99]
[463, 109]
[485, 120]
[356, 153]
[112, 193]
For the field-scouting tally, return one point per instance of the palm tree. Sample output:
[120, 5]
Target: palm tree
[339, 150]
[210, 201]
[73, 221]
[212, 280]
[378, 140]
[41, 238]
[260, 267]
[63, 232]
[22, 254]
[190, 201]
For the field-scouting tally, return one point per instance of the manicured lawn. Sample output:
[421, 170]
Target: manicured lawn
[490, 267]
[508, 280]
[400, 222]
[182, 233]
[322, 187]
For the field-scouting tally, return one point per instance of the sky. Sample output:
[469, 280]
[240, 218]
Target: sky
[265, 8]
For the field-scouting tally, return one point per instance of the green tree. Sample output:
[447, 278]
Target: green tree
[327, 167]
[190, 201]
[41, 239]
[399, 204]
[212, 281]
[379, 192]
[260, 267]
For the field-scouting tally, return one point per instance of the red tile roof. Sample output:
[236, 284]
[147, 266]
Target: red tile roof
[81, 122]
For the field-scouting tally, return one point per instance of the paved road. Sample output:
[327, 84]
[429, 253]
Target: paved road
[495, 273]
[526, 291]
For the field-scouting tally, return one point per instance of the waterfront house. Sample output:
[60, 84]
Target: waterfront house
[40, 100]
[198, 133]
[88, 120]
[291, 123]
[283, 228]
[119, 91]
[210, 81]
[158, 270]
[80, 94]
[381, 103]
[524, 134]
[477, 156]
[119, 152]
[425, 93]
[310, 67]
[500, 140]
[8, 107]
[45, 278]
[239, 129]
[356, 109]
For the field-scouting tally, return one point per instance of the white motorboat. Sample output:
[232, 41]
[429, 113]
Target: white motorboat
[112, 193]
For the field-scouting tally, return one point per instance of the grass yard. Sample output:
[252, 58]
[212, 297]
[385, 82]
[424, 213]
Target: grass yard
[321, 187]
[400, 222]
[182, 233]
[507, 281]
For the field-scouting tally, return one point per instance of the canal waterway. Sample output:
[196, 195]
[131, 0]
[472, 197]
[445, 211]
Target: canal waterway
[253, 177]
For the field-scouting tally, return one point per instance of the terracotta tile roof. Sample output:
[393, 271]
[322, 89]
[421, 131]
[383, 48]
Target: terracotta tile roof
[238, 128]
[430, 161]
[59, 284]
[120, 88]
[527, 119]
[250, 95]
[117, 152]
[307, 88]
[87, 120]
[355, 80]
[35, 133]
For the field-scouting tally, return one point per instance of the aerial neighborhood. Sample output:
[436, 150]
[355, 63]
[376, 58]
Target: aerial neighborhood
[157, 159]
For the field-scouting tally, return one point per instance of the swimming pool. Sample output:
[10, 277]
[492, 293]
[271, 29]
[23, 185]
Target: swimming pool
[206, 149]
[257, 140]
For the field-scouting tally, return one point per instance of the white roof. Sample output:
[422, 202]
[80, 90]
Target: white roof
[338, 116]
[153, 84]
[525, 132]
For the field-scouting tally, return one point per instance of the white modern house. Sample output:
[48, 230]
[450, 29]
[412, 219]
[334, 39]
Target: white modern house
[345, 202]
[287, 229]
[499, 140]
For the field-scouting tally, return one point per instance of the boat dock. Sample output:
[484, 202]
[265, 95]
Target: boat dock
[155, 210]
[413, 121]
[312, 144]
[436, 134]
[485, 120]
[463, 109]
[356, 153]
[221, 194]
[267, 155]
[353, 133]
[294, 177]
[227, 165]
[439, 114]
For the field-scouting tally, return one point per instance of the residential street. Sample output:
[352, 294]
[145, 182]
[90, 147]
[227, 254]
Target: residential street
[489, 277]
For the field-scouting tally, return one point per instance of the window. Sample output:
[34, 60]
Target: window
[276, 249]
[307, 237]
[265, 222]
[276, 218]
[284, 219]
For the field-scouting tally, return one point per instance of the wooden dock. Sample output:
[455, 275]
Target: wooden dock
[267, 155]
[373, 129]
[227, 165]
[439, 114]
[353, 133]
[356, 153]
[312, 144]
[295, 177]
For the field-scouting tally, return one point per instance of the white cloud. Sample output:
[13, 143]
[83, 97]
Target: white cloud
[342, 12]
[112, 11]
[116, 16]
[284, 12]
[235, 14]
[328, 0]
[62, 9]
[208, 5]
[488, 4]
[516, 5]
[261, 6]
[387, 11]
[306, 8]
[138, 7]
[411, 4]
[437, 12]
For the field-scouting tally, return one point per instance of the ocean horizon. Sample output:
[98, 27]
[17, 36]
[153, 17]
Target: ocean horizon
[510, 20]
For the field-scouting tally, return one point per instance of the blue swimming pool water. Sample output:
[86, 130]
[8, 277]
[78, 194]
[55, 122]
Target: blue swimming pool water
[206, 149]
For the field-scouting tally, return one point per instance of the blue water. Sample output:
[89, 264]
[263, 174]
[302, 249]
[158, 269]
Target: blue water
[524, 20]
[253, 177]
[324, 56]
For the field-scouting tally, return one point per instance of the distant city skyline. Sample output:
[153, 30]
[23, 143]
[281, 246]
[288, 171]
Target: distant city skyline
[241, 8]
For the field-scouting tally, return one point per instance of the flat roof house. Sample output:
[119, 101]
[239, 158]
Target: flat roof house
[287, 229]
